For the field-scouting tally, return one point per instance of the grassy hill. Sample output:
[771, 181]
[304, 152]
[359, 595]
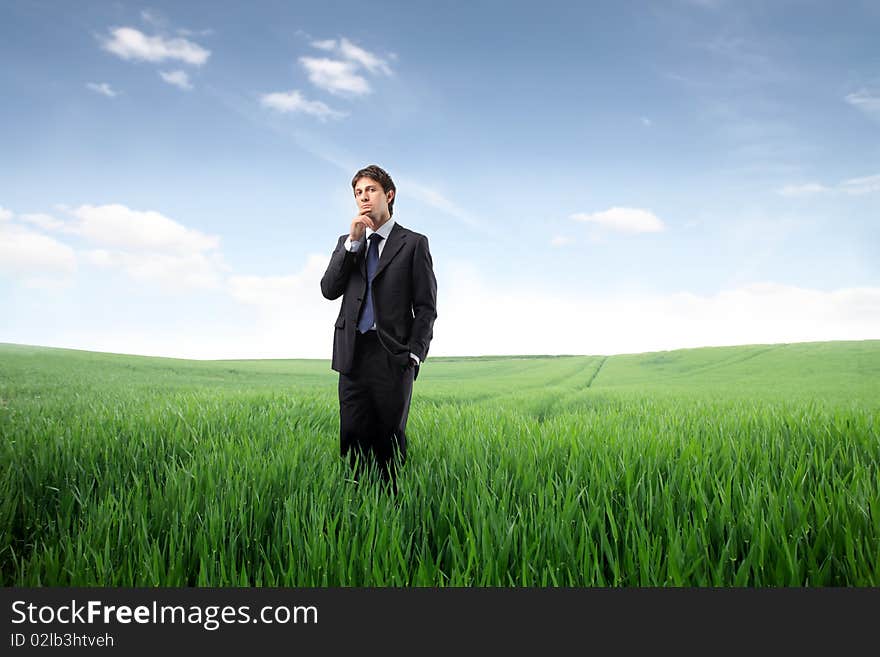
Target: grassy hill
[826, 371]
[751, 465]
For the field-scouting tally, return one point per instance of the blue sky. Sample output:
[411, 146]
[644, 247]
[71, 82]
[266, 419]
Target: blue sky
[593, 178]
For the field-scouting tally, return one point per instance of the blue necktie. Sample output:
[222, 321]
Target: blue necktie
[367, 319]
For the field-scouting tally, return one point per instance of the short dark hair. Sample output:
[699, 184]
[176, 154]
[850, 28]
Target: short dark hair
[381, 176]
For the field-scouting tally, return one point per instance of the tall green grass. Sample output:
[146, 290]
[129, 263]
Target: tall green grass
[743, 466]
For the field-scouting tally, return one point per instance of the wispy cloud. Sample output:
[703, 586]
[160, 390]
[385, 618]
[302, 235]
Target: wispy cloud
[624, 220]
[737, 49]
[646, 121]
[852, 186]
[185, 32]
[131, 44]
[865, 100]
[735, 62]
[368, 60]
[44, 221]
[41, 220]
[341, 76]
[706, 4]
[308, 141]
[805, 189]
[177, 78]
[294, 101]
[102, 88]
[347, 162]
[152, 17]
[435, 199]
[327, 44]
[864, 185]
[561, 240]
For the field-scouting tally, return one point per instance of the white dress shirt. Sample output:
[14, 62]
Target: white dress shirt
[384, 231]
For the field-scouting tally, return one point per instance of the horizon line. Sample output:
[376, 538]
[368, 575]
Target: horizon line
[215, 360]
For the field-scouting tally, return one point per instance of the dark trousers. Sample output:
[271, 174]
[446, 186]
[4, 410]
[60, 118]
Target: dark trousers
[374, 403]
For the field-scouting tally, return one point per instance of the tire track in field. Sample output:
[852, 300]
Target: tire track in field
[544, 408]
[596, 373]
[733, 360]
[576, 392]
[567, 377]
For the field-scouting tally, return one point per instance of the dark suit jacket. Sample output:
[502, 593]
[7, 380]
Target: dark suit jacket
[404, 297]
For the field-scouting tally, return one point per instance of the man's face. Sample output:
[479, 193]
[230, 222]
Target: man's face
[369, 196]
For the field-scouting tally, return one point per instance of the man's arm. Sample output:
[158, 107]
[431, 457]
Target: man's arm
[341, 263]
[424, 290]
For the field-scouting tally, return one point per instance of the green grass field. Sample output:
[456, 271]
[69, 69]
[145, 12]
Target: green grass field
[746, 466]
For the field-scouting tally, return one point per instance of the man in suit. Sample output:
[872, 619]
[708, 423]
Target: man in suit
[385, 324]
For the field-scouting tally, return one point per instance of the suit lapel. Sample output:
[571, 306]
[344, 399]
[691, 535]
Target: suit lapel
[396, 240]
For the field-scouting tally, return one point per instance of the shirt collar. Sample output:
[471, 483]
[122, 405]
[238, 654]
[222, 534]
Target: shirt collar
[384, 229]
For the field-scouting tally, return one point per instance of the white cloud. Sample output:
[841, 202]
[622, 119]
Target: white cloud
[119, 226]
[36, 260]
[177, 78]
[626, 220]
[150, 248]
[295, 321]
[5, 214]
[561, 240]
[865, 100]
[145, 245]
[129, 43]
[341, 76]
[337, 77]
[175, 272]
[762, 312]
[293, 101]
[285, 316]
[102, 88]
